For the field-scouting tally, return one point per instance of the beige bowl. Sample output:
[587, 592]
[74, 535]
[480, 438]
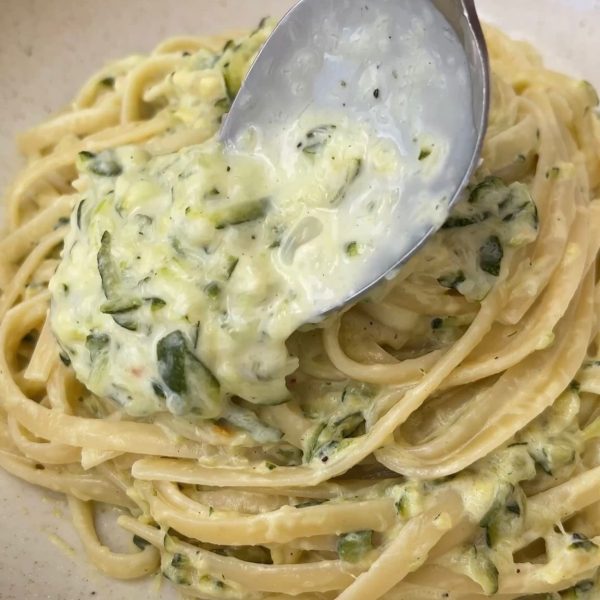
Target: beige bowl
[48, 48]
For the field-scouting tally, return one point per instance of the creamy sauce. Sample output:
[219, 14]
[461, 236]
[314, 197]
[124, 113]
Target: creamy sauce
[225, 247]
[184, 274]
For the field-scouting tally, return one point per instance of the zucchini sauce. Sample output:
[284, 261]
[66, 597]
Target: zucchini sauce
[184, 274]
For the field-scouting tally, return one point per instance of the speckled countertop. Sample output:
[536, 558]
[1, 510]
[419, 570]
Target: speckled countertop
[48, 48]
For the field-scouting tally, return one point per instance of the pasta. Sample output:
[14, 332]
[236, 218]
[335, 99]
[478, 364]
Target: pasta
[442, 438]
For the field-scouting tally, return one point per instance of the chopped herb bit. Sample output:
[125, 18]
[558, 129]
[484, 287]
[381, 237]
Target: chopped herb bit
[171, 351]
[553, 173]
[464, 221]
[103, 164]
[503, 518]
[553, 455]
[155, 303]
[178, 560]
[140, 542]
[247, 420]
[352, 547]
[235, 59]
[196, 334]
[120, 306]
[584, 590]
[514, 508]
[61, 222]
[187, 377]
[108, 82]
[126, 320]
[239, 213]
[311, 502]
[233, 263]
[319, 131]
[484, 187]
[176, 576]
[582, 542]
[96, 344]
[328, 436]
[223, 104]
[490, 256]
[79, 213]
[214, 192]
[107, 268]
[595, 99]
[65, 359]
[286, 456]
[176, 245]
[213, 290]
[352, 249]
[317, 138]
[424, 153]
[351, 176]
[157, 388]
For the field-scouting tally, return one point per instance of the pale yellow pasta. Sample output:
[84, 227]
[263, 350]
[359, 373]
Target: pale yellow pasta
[473, 465]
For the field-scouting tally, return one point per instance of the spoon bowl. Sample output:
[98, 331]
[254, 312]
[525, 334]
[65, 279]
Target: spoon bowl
[414, 72]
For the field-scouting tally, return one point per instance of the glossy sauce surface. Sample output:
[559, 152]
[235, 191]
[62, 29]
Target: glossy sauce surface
[184, 274]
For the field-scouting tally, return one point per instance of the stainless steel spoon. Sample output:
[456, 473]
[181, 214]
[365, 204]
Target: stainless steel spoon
[316, 47]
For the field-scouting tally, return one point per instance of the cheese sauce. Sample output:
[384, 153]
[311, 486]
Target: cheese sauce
[183, 275]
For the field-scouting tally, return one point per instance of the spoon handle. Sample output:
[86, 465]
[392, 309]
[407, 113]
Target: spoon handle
[462, 16]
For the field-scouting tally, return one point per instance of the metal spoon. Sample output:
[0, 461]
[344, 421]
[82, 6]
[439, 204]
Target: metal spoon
[317, 47]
